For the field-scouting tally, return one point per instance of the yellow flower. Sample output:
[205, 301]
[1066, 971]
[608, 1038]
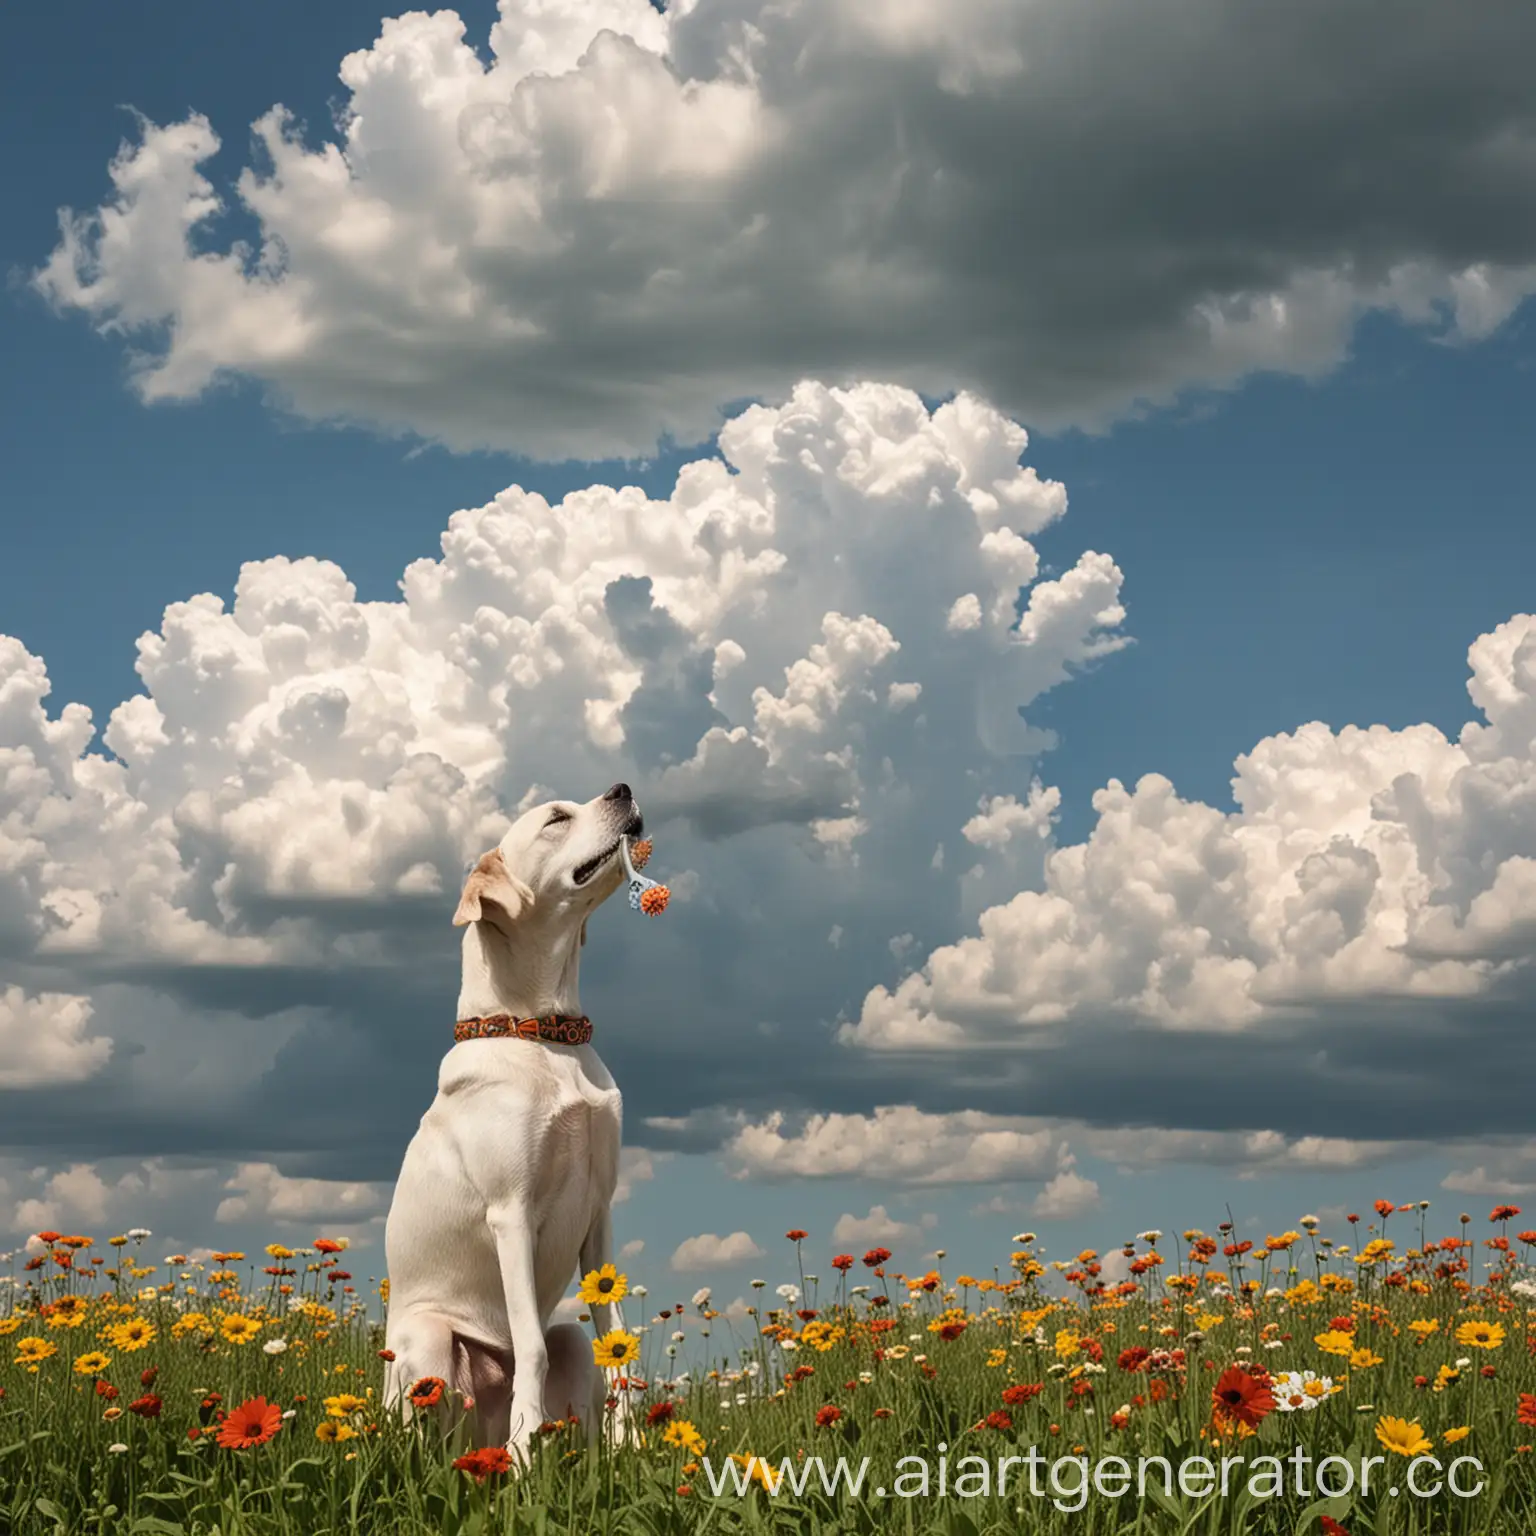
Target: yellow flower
[600, 1285]
[1424, 1326]
[996, 1357]
[1402, 1437]
[1067, 1343]
[31, 1350]
[756, 1467]
[682, 1432]
[1362, 1359]
[1205, 1321]
[9, 1325]
[1451, 1436]
[616, 1348]
[238, 1329]
[67, 1312]
[343, 1404]
[332, 1432]
[277, 1251]
[384, 1290]
[1480, 1335]
[136, 1333]
[93, 1363]
[1445, 1376]
[1335, 1342]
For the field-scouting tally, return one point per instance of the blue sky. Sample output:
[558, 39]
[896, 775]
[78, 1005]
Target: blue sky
[1321, 537]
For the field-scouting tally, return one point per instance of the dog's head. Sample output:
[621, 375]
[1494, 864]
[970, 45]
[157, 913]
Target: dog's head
[558, 859]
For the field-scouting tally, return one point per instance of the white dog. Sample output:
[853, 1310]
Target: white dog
[506, 1187]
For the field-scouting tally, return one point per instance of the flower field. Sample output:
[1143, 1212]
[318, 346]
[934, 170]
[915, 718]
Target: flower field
[242, 1394]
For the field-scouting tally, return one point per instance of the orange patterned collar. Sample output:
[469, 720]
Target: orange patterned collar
[555, 1028]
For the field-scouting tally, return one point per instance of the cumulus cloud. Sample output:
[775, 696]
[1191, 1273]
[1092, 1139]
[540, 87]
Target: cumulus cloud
[282, 815]
[615, 220]
[900, 1143]
[44, 1040]
[708, 1251]
[880, 1228]
[261, 1193]
[1360, 864]
[1067, 1195]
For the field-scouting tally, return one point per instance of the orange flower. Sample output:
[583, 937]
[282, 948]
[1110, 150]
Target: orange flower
[1240, 1398]
[491, 1461]
[254, 1422]
[1527, 1411]
[428, 1392]
[654, 901]
[640, 853]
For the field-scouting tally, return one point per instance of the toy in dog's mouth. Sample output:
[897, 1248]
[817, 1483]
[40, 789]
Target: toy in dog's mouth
[644, 895]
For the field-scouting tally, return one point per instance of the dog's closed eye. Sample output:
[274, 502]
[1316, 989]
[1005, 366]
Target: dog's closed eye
[557, 818]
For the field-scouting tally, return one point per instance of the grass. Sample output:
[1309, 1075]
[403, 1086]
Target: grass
[121, 1378]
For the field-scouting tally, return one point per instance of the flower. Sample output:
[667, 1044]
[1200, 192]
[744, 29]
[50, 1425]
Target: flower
[332, 1432]
[1402, 1436]
[146, 1407]
[345, 1404]
[616, 1348]
[653, 901]
[1240, 1398]
[490, 1461]
[239, 1329]
[131, 1334]
[1301, 1391]
[427, 1392]
[603, 1285]
[1451, 1436]
[92, 1363]
[1335, 1342]
[32, 1351]
[681, 1432]
[1480, 1335]
[828, 1415]
[254, 1422]
[1527, 1410]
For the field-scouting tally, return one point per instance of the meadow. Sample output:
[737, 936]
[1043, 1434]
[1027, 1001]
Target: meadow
[242, 1393]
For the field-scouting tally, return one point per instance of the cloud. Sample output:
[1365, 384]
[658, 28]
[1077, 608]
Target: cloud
[707, 1251]
[879, 1227]
[262, 1193]
[1073, 207]
[247, 881]
[1360, 865]
[1067, 1195]
[899, 1143]
[43, 1040]
[633, 1248]
[636, 1166]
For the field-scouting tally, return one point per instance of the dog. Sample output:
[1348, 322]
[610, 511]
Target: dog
[505, 1189]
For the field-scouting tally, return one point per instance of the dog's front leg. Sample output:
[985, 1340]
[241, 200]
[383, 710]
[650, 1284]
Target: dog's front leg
[530, 1355]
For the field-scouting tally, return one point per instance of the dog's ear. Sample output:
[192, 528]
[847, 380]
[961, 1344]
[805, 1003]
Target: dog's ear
[491, 882]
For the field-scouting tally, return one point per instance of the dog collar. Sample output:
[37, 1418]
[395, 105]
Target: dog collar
[555, 1028]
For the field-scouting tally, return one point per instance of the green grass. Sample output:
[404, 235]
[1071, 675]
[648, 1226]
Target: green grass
[887, 1369]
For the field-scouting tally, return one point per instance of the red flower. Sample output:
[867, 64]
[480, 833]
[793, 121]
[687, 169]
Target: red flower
[882, 1413]
[147, 1407]
[327, 1245]
[254, 1422]
[1241, 1398]
[428, 1392]
[795, 1235]
[999, 1419]
[1331, 1527]
[489, 1461]
[843, 1261]
[1021, 1392]
[659, 1413]
[147, 1378]
[1527, 1410]
[1384, 1208]
[1134, 1358]
[1504, 1213]
[830, 1413]
[877, 1256]
[50, 1237]
[105, 1389]
[386, 1354]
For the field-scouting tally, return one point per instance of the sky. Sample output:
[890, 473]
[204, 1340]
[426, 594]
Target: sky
[1035, 500]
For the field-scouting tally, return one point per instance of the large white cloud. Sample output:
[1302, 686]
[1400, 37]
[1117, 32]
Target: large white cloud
[618, 220]
[1360, 864]
[245, 897]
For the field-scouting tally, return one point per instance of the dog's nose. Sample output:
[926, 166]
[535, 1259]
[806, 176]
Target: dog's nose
[619, 792]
